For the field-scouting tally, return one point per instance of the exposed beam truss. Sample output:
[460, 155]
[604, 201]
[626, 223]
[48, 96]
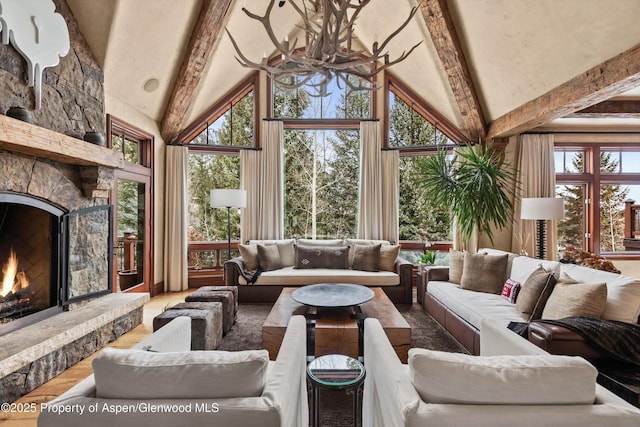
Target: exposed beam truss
[204, 37]
[447, 44]
[606, 80]
[620, 109]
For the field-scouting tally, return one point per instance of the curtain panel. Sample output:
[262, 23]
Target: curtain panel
[537, 176]
[176, 219]
[262, 175]
[378, 190]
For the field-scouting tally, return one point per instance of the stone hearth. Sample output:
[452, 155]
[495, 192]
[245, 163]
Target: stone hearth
[38, 352]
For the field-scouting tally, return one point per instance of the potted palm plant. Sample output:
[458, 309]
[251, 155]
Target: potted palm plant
[472, 184]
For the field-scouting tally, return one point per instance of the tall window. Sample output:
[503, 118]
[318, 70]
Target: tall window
[214, 142]
[411, 130]
[321, 143]
[595, 180]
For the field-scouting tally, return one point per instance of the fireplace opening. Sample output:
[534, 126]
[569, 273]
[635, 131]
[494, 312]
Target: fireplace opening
[29, 258]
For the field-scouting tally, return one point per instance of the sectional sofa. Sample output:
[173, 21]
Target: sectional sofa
[452, 298]
[266, 266]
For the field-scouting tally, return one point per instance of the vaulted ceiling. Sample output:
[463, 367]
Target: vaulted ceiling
[491, 67]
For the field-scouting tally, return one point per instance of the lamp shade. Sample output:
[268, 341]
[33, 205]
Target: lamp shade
[228, 198]
[542, 208]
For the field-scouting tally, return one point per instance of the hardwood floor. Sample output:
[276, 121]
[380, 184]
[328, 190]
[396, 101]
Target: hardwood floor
[73, 375]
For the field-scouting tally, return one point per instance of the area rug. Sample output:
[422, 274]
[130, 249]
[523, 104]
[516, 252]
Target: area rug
[335, 407]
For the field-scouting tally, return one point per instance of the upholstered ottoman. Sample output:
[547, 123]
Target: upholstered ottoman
[201, 326]
[216, 307]
[233, 289]
[224, 297]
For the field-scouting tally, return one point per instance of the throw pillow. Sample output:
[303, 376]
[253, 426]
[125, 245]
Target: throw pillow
[366, 257]
[134, 374]
[388, 257]
[322, 257]
[510, 290]
[249, 254]
[269, 257]
[483, 273]
[442, 377]
[287, 252]
[576, 299]
[534, 293]
[456, 263]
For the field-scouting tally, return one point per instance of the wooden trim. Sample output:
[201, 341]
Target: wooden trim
[610, 78]
[231, 98]
[322, 123]
[204, 37]
[445, 39]
[36, 141]
[402, 91]
[157, 288]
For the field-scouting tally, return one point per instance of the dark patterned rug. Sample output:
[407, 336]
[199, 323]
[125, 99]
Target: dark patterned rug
[335, 408]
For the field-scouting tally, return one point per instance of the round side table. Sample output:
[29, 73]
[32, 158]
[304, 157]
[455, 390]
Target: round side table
[335, 372]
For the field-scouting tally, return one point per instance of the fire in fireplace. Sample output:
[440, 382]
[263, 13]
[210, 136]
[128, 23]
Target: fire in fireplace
[29, 255]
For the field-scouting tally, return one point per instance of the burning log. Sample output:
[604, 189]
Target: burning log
[15, 302]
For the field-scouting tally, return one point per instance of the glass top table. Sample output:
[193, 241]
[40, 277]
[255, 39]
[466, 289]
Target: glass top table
[332, 295]
[335, 372]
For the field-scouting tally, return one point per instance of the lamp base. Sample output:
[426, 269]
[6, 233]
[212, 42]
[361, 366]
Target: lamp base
[541, 238]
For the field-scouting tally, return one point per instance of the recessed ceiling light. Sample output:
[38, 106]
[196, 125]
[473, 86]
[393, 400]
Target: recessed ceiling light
[151, 84]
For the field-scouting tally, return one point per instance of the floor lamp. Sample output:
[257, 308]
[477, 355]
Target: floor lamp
[228, 198]
[542, 209]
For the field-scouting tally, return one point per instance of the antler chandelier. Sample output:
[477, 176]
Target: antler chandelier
[327, 53]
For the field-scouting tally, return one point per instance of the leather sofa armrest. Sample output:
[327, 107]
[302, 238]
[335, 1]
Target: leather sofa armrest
[437, 273]
[559, 340]
[404, 269]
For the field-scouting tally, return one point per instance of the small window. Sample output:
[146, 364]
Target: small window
[569, 161]
[233, 127]
[408, 128]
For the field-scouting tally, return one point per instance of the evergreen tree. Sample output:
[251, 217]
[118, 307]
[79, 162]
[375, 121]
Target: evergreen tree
[612, 197]
[571, 229]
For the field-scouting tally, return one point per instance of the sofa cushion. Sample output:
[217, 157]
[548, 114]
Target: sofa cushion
[269, 257]
[290, 276]
[322, 257]
[510, 257]
[313, 242]
[623, 293]
[133, 374]
[483, 273]
[534, 293]
[576, 299]
[366, 257]
[523, 266]
[365, 242]
[249, 254]
[474, 306]
[388, 257]
[441, 377]
[456, 264]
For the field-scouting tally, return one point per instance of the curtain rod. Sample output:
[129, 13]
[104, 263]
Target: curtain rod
[280, 119]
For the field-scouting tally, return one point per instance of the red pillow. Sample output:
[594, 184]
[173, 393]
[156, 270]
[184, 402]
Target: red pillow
[510, 290]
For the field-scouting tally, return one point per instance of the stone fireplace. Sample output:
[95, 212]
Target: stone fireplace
[56, 243]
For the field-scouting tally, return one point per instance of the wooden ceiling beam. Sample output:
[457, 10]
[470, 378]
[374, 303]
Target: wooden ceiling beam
[447, 44]
[203, 39]
[619, 109]
[606, 80]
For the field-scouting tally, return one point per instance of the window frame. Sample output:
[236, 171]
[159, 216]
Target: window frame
[593, 178]
[231, 98]
[402, 91]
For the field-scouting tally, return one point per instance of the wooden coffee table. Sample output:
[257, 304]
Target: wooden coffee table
[336, 331]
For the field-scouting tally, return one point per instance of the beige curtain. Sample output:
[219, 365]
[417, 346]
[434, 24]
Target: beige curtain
[261, 175]
[176, 220]
[537, 177]
[378, 199]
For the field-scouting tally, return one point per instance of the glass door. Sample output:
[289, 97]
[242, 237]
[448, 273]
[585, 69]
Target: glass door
[132, 231]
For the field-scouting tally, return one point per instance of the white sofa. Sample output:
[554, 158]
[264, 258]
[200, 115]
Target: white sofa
[461, 311]
[391, 399]
[396, 281]
[282, 402]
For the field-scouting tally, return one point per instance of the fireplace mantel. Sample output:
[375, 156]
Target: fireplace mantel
[25, 138]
